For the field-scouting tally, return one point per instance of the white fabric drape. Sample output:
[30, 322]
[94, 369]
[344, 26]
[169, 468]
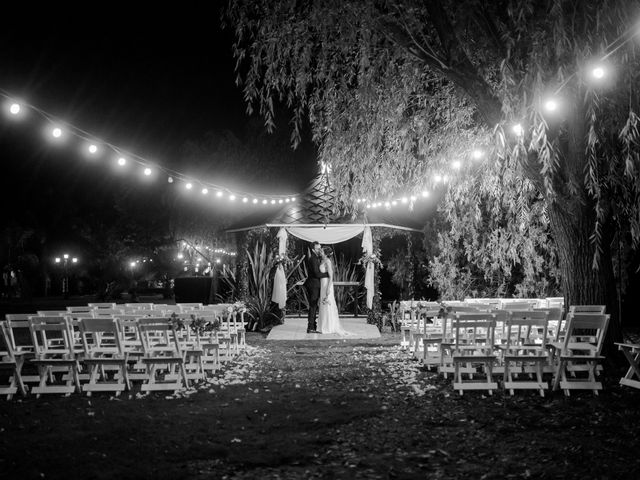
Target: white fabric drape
[329, 235]
[279, 294]
[282, 241]
[367, 247]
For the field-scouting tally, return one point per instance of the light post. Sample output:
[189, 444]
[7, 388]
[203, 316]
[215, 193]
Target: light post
[65, 279]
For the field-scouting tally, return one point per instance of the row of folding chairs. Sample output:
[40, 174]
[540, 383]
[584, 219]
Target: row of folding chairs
[529, 344]
[153, 309]
[87, 352]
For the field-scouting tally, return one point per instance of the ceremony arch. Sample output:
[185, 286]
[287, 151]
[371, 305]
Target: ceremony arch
[317, 215]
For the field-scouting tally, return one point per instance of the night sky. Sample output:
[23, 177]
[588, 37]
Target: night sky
[145, 81]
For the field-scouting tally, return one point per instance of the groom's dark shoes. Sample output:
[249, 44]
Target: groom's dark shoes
[312, 331]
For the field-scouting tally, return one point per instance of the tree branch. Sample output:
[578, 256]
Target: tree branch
[460, 69]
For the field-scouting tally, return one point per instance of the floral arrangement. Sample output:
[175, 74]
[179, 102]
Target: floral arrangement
[237, 307]
[176, 322]
[370, 258]
[200, 325]
[282, 260]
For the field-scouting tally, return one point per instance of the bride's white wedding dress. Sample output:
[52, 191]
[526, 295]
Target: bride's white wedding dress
[328, 318]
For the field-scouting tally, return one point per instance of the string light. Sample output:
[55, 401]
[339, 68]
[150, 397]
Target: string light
[518, 130]
[597, 71]
[15, 108]
[551, 105]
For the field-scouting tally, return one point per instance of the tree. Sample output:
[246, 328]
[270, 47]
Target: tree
[492, 239]
[394, 89]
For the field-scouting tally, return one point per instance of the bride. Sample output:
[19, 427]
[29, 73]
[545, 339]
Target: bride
[328, 318]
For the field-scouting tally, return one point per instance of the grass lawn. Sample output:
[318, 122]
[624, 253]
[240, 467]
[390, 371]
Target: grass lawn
[331, 409]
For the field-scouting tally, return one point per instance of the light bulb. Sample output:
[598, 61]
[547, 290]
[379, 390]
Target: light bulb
[551, 105]
[518, 130]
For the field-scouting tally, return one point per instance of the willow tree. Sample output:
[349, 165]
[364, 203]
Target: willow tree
[490, 238]
[396, 89]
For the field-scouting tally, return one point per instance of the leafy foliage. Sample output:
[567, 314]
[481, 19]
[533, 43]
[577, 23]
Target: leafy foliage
[258, 302]
[395, 89]
[494, 241]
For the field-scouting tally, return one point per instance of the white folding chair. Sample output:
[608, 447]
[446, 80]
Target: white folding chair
[474, 337]
[162, 355]
[525, 352]
[11, 361]
[631, 352]
[102, 305]
[187, 307]
[102, 340]
[17, 328]
[579, 352]
[132, 345]
[80, 309]
[52, 356]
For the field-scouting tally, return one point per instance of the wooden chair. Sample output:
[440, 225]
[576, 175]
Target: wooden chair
[80, 309]
[579, 352]
[187, 307]
[53, 356]
[51, 313]
[516, 306]
[11, 361]
[474, 346]
[209, 341]
[525, 351]
[162, 355]
[132, 345]
[631, 352]
[431, 337]
[102, 305]
[102, 340]
[18, 329]
[139, 306]
[107, 312]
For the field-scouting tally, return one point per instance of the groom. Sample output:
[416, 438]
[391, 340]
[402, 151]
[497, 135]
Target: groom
[312, 284]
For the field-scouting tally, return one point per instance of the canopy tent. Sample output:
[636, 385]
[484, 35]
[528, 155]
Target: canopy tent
[316, 216]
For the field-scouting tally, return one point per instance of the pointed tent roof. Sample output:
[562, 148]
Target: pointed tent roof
[315, 207]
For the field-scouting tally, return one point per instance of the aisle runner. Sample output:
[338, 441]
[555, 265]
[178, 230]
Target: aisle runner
[295, 328]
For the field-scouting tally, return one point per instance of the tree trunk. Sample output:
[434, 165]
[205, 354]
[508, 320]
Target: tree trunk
[572, 225]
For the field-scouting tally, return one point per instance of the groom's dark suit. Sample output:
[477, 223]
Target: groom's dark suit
[312, 284]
